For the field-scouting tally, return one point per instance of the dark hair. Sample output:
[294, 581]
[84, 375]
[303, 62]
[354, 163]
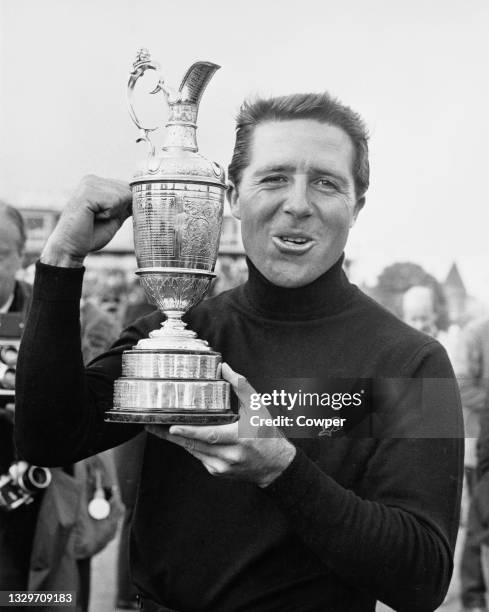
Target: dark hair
[16, 218]
[321, 107]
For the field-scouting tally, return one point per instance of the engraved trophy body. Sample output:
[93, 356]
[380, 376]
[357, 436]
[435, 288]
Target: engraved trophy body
[178, 199]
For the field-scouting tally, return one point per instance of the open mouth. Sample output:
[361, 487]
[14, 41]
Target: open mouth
[292, 244]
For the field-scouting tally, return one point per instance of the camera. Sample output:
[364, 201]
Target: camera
[11, 327]
[16, 492]
[19, 490]
[7, 377]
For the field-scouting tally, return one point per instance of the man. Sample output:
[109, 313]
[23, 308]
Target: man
[473, 374]
[229, 523]
[16, 528]
[418, 309]
[475, 566]
[14, 295]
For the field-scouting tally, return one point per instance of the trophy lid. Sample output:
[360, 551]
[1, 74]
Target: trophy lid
[178, 159]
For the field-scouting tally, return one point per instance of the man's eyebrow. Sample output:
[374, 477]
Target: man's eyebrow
[275, 168]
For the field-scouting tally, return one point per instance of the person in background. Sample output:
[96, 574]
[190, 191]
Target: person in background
[473, 376]
[480, 505]
[17, 527]
[98, 330]
[419, 311]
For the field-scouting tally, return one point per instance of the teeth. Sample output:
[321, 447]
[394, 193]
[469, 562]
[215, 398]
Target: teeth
[294, 240]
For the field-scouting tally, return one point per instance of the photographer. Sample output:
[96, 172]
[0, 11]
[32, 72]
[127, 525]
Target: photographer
[16, 528]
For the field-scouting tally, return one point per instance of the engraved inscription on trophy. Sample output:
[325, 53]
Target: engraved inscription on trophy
[149, 223]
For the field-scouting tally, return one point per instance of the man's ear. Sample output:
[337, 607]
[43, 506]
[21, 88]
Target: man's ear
[233, 199]
[358, 207]
[22, 259]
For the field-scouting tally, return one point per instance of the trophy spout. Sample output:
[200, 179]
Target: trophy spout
[182, 124]
[195, 81]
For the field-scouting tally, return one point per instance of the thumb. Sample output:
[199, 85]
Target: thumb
[250, 406]
[240, 386]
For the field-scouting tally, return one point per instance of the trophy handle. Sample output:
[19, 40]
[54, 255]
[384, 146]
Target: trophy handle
[143, 62]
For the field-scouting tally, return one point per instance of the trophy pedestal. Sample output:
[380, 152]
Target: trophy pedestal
[171, 386]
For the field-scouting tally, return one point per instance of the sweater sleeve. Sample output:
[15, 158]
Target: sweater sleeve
[396, 537]
[60, 405]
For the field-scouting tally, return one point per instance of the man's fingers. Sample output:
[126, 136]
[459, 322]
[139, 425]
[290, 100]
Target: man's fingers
[212, 435]
[17, 469]
[220, 434]
[229, 374]
[213, 454]
[198, 447]
[161, 431]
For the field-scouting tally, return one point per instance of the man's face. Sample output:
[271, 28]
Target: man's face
[10, 258]
[296, 199]
[418, 310]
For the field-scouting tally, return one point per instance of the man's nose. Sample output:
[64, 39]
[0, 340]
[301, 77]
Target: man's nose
[297, 200]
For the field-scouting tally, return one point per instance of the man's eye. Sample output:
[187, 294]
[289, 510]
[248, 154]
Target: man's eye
[274, 178]
[326, 183]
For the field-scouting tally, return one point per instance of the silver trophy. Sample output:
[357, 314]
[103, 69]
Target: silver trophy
[178, 199]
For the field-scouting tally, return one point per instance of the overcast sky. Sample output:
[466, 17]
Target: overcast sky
[417, 72]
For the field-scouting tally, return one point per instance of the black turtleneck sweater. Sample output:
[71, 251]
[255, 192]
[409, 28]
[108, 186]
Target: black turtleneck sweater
[350, 521]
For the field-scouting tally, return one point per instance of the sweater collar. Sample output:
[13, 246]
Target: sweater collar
[328, 294]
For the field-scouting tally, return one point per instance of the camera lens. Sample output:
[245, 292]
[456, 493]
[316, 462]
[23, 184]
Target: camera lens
[7, 377]
[9, 354]
[36, 478]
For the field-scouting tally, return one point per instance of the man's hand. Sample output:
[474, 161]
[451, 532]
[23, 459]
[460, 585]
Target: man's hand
[92, 216]
[17, 470]
[223, 453]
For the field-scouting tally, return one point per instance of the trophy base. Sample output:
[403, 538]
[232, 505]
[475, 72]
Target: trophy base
[172, 385]
[159, 417]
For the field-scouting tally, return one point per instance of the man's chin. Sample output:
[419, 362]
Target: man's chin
[290, 277]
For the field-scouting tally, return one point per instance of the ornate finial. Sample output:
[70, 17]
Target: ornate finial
[142, 56]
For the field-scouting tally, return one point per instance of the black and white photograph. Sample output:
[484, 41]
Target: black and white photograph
[244, 306]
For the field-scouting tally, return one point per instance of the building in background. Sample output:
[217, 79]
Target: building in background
[456, 295]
